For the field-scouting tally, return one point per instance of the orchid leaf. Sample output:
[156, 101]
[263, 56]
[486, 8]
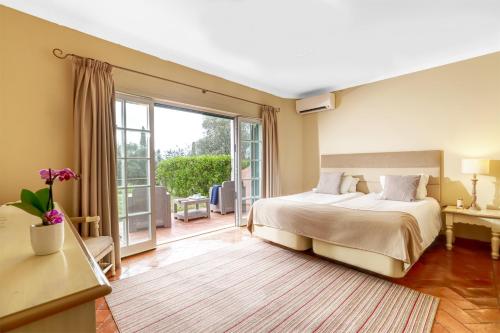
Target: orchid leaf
[28, 208]
[43, 198]
[29, 198]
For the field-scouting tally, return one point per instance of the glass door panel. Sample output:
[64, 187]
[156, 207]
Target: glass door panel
[249, 164]
[133, 154]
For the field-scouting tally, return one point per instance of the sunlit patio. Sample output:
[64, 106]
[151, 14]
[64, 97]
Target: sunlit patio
[180, 229]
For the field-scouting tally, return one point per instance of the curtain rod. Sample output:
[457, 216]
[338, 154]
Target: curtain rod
[58, 53]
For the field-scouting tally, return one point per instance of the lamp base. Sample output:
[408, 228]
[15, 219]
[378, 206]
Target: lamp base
[473, 205]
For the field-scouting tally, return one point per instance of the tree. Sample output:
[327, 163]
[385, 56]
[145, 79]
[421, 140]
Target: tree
[175, 152]
[216, 138]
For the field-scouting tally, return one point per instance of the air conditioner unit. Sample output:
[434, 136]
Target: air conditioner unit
[324, 102]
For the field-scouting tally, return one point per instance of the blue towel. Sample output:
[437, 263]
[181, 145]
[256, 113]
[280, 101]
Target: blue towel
[214, 196]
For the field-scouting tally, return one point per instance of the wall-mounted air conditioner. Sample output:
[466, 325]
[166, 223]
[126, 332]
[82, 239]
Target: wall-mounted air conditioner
[324, 102]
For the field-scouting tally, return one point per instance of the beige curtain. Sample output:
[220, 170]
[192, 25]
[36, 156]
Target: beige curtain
[270, 176]
[94, 146]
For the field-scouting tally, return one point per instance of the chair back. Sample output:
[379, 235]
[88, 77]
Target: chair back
[93, 220]
[163, 209]
[229, 184]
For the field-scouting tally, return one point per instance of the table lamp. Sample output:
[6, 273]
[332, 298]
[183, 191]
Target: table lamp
[475, 167]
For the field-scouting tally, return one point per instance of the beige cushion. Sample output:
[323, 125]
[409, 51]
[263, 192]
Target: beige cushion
[422, 187]
[345, 184]
[329, 182]
[97, 245]
[354, 185]
[400, 188]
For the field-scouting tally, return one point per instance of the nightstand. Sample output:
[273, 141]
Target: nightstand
[485, 217]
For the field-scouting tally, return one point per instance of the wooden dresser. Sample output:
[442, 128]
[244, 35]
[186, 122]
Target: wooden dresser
[53, 293]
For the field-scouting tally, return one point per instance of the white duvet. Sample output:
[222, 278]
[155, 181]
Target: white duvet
[321, 198]
[427, 212]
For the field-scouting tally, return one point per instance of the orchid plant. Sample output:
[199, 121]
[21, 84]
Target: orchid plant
[41, 202]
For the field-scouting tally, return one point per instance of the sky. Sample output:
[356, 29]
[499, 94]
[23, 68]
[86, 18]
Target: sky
[176, 129]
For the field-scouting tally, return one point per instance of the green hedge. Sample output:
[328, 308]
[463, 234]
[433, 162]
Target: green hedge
[186, 175]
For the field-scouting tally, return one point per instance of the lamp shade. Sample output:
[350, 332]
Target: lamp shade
[475, 166]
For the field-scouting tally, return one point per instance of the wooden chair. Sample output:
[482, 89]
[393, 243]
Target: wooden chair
[99, 246]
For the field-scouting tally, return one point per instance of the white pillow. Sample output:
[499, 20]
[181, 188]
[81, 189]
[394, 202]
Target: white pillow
[422, 186]
[329, 182]
[354, 184]
[382, 182]
[346, 183]
[345, 180]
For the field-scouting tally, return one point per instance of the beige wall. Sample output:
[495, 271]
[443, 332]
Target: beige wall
[455, 108]
[36, 100]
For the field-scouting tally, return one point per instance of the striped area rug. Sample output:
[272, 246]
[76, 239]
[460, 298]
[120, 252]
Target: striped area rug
[258, 287]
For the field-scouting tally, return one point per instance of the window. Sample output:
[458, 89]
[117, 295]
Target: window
[250, 155]
[134, 181]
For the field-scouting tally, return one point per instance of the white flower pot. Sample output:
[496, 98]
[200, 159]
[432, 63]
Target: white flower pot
[47, 239]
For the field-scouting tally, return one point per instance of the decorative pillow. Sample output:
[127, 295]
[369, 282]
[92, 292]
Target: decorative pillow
[354, 185]
[400, 188]
[329, 182]
[422, 187]
[345, 184]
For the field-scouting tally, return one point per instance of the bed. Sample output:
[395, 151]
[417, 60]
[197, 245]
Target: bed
[352, 243]
[293, 240]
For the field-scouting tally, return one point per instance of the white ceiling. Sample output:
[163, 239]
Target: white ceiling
[289, 48]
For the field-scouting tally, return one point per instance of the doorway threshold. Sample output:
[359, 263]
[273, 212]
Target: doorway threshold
[195, 234]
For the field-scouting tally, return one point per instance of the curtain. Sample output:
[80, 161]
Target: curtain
[95, 146]
[270, 176]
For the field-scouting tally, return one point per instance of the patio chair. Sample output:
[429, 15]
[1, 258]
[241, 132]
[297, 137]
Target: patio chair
[163, 209]
[225, 198]
[99, 246]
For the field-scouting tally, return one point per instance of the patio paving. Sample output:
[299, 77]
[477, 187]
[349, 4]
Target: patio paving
[181, 229]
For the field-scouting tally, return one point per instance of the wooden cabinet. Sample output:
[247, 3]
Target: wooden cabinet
[53, 293]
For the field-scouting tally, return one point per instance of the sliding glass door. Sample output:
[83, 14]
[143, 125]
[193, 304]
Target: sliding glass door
[248, 166]
[182, 134]
[135, 184]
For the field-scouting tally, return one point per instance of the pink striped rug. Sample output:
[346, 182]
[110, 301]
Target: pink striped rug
[258, 287]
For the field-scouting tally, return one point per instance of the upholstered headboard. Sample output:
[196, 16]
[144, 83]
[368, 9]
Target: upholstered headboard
[370, 166]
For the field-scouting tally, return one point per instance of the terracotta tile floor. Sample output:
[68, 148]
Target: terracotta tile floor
[466, 279]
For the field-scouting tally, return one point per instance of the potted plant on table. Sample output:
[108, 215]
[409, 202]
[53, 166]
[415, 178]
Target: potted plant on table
[48, 236]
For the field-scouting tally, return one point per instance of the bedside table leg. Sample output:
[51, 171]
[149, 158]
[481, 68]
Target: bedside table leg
[449, 231]
[495, 242]
[449, 237]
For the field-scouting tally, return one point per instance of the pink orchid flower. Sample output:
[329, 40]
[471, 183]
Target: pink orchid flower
[66, 174]
[46, 175]
[53, 217]
[49, 175]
